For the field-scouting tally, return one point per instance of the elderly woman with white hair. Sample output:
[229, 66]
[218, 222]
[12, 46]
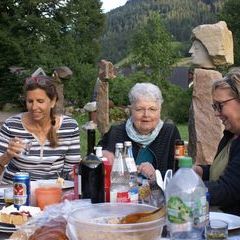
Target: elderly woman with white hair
[152, 140]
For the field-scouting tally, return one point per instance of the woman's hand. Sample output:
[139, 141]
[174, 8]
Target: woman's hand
[15, 147]
[109, 155]
[147, 170]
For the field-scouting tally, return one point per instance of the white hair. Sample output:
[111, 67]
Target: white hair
[147, 91]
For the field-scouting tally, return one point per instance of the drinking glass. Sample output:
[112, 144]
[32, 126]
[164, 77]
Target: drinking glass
[48, 195]
[27, 147]
[8, 196]
[216, 229]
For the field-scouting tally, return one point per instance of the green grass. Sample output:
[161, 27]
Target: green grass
[183, 129]
[83, 118]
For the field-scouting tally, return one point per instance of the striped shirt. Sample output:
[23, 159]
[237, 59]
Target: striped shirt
[42, 161]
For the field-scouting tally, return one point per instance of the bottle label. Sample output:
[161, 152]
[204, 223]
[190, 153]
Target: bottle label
[179, 151]
[122, 197]
[131, 165]
[133, 194]
[180, 212]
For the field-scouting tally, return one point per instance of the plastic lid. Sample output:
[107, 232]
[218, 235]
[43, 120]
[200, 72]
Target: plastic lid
[185, 162]
[127, 143]
[119, 145]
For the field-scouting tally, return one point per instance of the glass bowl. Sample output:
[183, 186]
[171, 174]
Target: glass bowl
[99, 222]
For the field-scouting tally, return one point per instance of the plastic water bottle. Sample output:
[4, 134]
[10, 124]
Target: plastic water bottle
[119, 177]
[186, 203]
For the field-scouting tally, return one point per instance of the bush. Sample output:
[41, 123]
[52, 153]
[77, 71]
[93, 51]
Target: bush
[176, 100]
[118, 114]
[176, 104]
[120, 86]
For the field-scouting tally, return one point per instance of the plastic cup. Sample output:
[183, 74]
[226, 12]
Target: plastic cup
[48, 195]
[8, 196]
[216, 229]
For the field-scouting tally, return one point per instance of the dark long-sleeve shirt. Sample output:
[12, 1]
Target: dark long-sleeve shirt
[225, 192]
[162, 147]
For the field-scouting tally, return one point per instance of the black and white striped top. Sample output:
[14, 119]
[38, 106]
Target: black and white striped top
[42, 161]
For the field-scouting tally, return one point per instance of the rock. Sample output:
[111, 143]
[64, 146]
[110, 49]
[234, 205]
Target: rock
[106, 70]
[205, 129]
[89, 125]
[218, 41]
[102, 107]
[63, 72]
[90, 106]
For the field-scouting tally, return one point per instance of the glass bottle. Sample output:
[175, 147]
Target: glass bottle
[132, 168]
[91, 171]
[119, 177]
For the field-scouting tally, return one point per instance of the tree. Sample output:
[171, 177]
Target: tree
[230, 14]
[51, 33]
[151, 47]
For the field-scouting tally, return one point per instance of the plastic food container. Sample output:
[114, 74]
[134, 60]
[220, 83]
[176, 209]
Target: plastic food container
[97, 222]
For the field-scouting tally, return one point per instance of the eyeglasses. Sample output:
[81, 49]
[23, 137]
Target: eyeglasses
[141, 111]
[41, 80]
[218, 106]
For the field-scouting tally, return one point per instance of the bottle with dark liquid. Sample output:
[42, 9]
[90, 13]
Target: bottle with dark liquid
[91, 139]
[91, 170]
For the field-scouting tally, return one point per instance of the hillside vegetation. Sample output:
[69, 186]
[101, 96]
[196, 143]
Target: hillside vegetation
[178, 16]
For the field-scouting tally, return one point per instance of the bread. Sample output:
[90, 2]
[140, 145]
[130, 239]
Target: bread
[16, 218]
[54, 229]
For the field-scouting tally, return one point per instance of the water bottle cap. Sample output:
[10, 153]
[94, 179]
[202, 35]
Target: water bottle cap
[119, 145]
[127, 143]
[185, 162]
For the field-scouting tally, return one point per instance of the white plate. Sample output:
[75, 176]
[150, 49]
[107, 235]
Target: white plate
[7, 229]
[67, 183]
[232, 220]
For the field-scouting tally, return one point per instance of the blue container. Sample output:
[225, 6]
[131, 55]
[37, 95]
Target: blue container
[21, 189]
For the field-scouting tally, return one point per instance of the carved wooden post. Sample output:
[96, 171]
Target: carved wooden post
[106, 72]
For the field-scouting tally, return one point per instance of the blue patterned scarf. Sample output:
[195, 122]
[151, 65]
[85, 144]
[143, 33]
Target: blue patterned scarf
[139, 138]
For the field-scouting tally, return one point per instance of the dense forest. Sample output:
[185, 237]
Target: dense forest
[178, 16]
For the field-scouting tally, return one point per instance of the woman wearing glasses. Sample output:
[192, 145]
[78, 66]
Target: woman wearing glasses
[54, 139]
[223, 177]
[152, 139]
